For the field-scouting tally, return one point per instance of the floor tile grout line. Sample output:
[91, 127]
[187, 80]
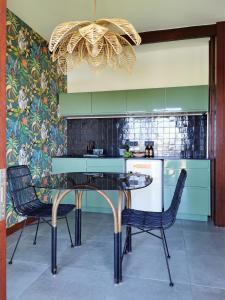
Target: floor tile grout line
[208, 286]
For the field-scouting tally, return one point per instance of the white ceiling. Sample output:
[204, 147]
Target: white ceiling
[146, 15]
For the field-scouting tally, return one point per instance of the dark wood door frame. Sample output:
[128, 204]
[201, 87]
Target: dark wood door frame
[2, 140]
[177, 34]
[217, 129]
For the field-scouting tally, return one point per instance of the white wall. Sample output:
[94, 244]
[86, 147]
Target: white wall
[179, 63]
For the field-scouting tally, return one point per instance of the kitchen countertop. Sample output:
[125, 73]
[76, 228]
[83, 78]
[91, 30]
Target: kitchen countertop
[153, 158]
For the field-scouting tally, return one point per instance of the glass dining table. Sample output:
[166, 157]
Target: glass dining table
[79, 182]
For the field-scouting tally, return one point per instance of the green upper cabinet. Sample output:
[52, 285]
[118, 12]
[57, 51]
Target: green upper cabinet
[75, 104]
[109, 102]
[146, 101]
[155, 101]
[187, 99]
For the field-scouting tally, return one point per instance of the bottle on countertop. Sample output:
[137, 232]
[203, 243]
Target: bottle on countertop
[151, 151]
[90, 147]
[147, 150]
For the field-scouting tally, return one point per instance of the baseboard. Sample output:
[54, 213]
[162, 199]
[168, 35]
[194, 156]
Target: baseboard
[18, 226]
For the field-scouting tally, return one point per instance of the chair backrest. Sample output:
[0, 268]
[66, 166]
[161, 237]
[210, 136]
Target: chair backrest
[23, 195]
[169, 216]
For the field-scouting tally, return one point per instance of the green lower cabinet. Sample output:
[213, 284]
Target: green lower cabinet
[61, 165]
[199, 177]
[194, 204]
[92, 201]
[195, 201]
[95, 202]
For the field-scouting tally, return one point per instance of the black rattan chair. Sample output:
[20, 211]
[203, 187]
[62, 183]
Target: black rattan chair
[146, 221]
[27, 204]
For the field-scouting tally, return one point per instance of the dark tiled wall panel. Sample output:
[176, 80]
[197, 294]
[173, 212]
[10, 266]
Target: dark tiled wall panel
[180, 136]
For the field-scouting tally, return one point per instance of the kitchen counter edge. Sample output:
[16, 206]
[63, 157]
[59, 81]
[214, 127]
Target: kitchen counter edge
[113, 157]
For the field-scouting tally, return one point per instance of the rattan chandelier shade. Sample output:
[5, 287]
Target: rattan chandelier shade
[99, 43]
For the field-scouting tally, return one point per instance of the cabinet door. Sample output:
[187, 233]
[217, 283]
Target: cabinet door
[95, 202]
[193, 205]
[195, 201]
[187, 99]
[195, 177]
[187, 164]
[61, 165]
[146, 101]
[113, 102]
[75, 104]
[198, 172]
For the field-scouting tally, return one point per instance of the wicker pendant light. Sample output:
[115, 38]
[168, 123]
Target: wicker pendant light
[100, 43]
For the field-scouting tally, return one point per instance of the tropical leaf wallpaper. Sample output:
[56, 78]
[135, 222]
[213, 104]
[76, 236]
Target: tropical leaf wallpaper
[35, 132]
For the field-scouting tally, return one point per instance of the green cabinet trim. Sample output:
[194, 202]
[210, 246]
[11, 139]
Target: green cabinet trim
[142, 101]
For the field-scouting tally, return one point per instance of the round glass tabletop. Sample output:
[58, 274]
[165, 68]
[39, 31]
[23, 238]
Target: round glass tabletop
[94, 180]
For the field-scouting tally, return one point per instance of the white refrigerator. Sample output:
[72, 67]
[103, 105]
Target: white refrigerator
[151, 197]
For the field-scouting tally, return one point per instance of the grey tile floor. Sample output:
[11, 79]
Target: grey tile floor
[86, 272]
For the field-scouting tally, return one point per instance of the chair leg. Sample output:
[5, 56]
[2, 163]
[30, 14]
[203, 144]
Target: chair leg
[14, 251]
[72, 245]
[165, 253]
[125, 246]
[35, 238]
[129, 239]
[167, 250]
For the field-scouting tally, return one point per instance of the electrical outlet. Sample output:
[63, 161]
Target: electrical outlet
[150, 143]
[133, 143]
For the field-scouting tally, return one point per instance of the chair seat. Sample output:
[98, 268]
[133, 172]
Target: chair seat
[142, 219]
[46, 210]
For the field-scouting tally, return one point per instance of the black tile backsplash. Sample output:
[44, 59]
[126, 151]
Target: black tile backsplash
[182, 136]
